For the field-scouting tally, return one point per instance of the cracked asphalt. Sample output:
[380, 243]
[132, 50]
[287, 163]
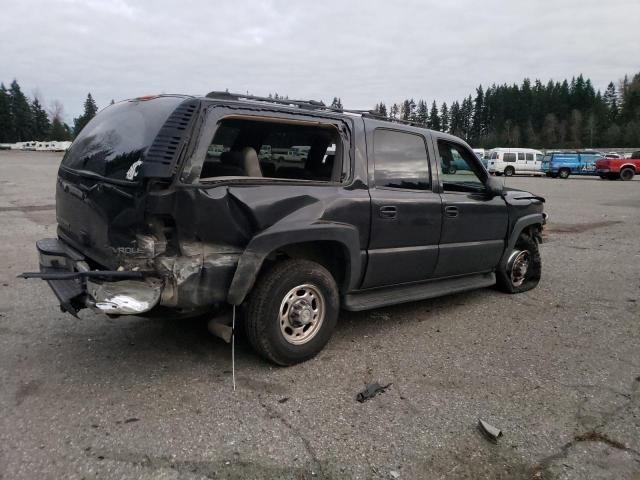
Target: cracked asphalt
[557, 369]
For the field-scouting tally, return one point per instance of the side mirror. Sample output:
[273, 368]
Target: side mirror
[494, 186]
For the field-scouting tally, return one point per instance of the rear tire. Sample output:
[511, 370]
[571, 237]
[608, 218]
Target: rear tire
[627, 174]
[564, 173]
[292, 311]
[452, 170]
[523, 268]
[509, 171]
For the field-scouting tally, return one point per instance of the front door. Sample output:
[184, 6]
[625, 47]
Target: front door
[406, 212]
[474, 223]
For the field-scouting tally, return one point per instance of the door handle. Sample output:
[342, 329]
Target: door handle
[451, 211]
[388, 211]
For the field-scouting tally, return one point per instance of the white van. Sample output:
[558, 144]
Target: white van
[512, 161]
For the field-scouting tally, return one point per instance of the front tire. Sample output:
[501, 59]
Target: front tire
[523, 268]
[563, 173]
[292, 311]
[509, 172]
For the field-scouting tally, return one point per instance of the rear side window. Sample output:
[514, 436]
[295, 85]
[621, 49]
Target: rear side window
[118, 137]
[400, 160]
[267, 148]
[508, 157]
[520, 156]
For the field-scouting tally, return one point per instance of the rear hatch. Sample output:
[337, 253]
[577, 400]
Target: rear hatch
[100, 192]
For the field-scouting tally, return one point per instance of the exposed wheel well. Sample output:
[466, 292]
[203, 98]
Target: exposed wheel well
[628, 165]
[331, 255]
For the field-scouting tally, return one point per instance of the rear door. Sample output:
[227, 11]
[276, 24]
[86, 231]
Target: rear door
[405, 211]
[474, 223]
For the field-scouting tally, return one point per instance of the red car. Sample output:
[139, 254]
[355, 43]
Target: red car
[614, 168]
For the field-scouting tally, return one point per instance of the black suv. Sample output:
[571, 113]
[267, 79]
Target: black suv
[286, 209]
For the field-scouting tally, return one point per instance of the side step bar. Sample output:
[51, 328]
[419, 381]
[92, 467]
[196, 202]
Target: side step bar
[382, 297]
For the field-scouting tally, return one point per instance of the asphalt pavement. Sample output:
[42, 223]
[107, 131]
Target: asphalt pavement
[557, 369]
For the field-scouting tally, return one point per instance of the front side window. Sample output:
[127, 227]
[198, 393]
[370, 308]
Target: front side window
[467, 175]
[265, 148]
[400, 160]
[509, 157]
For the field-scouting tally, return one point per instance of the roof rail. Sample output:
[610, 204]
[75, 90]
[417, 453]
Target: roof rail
[309, 105]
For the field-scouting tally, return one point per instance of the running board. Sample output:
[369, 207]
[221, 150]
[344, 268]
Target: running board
[382, 297]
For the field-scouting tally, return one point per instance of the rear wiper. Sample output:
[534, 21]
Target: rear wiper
[97, 176]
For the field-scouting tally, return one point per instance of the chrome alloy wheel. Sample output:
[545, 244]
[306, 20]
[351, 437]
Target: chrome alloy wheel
[519, 261]
[301, 314]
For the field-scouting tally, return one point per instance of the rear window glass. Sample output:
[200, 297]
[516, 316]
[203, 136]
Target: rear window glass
[509, 157]
[118, 137]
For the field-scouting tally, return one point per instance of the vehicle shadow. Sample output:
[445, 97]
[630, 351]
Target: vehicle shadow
[128, 351]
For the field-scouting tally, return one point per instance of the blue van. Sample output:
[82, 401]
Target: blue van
[563, 164]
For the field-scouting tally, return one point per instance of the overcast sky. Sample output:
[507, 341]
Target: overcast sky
[362, 51]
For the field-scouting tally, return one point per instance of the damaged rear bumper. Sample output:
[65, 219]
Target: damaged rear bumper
[77, 286]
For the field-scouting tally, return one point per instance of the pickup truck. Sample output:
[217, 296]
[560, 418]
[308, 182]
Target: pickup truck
[618, 168]
[164, 207]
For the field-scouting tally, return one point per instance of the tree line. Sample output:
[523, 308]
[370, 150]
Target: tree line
[23, 119]
[567, 114]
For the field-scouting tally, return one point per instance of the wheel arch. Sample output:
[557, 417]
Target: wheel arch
[535, 220]
[333, 245]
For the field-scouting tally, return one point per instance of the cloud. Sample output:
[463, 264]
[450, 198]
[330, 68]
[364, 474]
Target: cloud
[362, 51]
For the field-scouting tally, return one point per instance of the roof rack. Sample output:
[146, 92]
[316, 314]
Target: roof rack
[308, 105]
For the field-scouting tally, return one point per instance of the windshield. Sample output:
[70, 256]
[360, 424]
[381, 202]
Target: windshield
[114, 143]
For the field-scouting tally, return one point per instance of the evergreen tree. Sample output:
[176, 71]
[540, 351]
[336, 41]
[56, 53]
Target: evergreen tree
[408, 111]
[466, 114]
[455, 127]
[41, 124]
[478, 121]
[382, 109]
[611, 100]
[395, 111]
[444, 117]
[21, 116]
[336, 103]
[434, 118]
[5, 115]
[631, 99]
[422, 113]
[90, 110]
[59, 131]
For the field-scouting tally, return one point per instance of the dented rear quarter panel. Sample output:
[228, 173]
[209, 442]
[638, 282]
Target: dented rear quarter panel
[226, 229]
